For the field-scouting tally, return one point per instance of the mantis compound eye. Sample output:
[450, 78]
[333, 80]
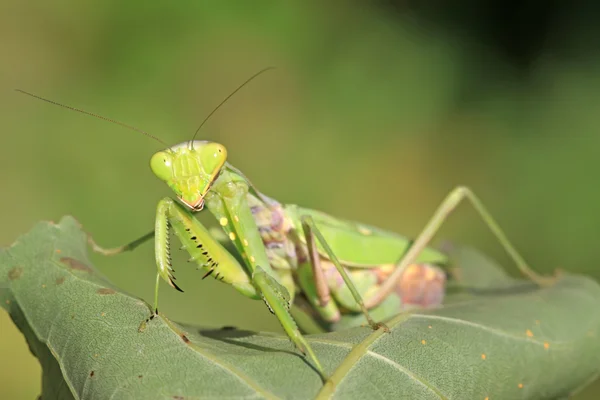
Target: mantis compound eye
[212, 157]
[161, 165]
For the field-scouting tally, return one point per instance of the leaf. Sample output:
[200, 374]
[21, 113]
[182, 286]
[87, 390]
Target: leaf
[527, 344]
[477, 271]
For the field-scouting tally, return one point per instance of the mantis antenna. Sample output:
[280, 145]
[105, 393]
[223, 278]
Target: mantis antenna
[133, 128]
[225, 100]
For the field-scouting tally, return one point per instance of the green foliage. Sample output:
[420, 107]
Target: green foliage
[513, 341]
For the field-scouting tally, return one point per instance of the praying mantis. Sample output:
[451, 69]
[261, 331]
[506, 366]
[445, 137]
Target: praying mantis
[330, 266]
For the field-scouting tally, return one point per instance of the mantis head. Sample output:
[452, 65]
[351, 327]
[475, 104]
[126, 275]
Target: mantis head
[190, 169]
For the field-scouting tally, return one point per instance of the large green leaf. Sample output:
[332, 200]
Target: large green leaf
[528, 343]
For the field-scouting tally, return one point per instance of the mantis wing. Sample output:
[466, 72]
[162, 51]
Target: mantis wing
[359, 245]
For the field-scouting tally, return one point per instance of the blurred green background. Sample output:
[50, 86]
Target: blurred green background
[374, 113]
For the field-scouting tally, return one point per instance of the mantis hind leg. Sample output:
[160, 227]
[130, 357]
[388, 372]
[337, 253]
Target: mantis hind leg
[454, 198]
[311, 231]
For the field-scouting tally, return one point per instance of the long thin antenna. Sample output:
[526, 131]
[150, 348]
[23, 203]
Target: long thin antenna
[133, 128]
[227, 98]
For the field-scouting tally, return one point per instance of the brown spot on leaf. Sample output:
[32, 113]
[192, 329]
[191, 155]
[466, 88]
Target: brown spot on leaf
[105, 291]
[176, 397]
[60, 281]
[140, 376]
[57, 251]
[529, 333]
[75, 264]
[92, 374]
[186, 340]
[15, 273]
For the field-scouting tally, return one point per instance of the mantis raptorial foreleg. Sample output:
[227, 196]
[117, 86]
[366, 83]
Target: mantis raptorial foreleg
[311, 231]
[454, 198]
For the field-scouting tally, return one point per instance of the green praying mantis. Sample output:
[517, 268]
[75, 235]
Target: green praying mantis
[332, 267]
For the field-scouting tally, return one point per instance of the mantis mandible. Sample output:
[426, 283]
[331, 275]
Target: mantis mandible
[335, 267]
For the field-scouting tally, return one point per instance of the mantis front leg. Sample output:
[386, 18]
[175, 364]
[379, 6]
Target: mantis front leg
[210, 255]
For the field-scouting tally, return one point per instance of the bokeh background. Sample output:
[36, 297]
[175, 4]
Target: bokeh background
[375, 111]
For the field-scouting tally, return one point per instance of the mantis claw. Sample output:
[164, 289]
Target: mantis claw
[145, 322]
[378, 325]
[548, 281]
[172, 283]
[151, 317]
[381, 325]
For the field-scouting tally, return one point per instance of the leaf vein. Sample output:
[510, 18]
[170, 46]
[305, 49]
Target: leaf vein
[423, 382]
[494, 331]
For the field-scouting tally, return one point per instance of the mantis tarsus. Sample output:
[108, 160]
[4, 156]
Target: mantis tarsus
[339, 267]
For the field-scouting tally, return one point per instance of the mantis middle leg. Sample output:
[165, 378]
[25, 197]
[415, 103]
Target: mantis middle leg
[311, 231]
[121, 249]
[230, 207]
